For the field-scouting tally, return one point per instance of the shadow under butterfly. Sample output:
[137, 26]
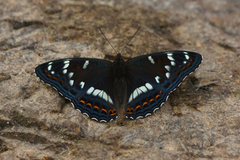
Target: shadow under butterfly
[92, 85]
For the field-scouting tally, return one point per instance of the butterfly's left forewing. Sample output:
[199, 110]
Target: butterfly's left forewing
[154, 76]
[83, 81]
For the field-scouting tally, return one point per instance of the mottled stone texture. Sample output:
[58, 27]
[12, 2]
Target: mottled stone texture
[201, 119]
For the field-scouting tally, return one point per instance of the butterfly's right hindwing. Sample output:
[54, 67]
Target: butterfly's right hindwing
[152, 77]
[98, 101]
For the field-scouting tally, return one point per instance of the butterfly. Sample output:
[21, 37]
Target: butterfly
[144, 82]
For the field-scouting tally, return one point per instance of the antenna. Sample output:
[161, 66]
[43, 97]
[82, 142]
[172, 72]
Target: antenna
[107, 40]
[130, 39]
[125, 45]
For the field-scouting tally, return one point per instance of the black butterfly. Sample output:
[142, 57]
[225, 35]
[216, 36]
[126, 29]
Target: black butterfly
[93, 85]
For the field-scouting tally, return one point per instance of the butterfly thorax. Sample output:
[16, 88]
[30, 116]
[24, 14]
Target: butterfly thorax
[119, 69]
[119, 74]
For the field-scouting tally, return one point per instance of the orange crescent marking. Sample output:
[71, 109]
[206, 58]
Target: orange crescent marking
[61, 81]
[191, 60]
[176, 72]
[188, 64]
[104, 110]
[145, 103]
[82, 101]
[160, 92]
[45, 71]
[157, 96]
[48, 75]
[183, 68]
[95, 107]
[113, 112]
[54, 78]
[129, 110]
[137, 107]
[151, 100]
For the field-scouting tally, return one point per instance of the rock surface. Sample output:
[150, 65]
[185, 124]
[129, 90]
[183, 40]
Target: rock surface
[201, 119]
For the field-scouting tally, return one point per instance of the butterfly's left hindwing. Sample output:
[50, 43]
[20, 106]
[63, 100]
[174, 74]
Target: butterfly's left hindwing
[143, 97]
[152, 77]
[85, 82]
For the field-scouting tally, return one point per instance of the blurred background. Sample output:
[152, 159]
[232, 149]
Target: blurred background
[200, 120]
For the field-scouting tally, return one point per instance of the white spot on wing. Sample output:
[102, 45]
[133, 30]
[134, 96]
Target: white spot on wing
[52, 72]
[105, 96]
[151, 59]
[49, 67]
[157, 78]
[184, 62]
[90, 90]
[70, 75]
[65, 62]
[71, 82]
[143, 88]
[169, 56]
[135, 94]
[82, 84]
[64, 71]
[130, 98]
[66, 65]
[101, 94]
[96, 92]
[139, 91]
[110, 100]
[50, 63]
[167, 67]
[186, 55]
[149, 86]
[172, 63]
[85, 64]
[167, 74]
